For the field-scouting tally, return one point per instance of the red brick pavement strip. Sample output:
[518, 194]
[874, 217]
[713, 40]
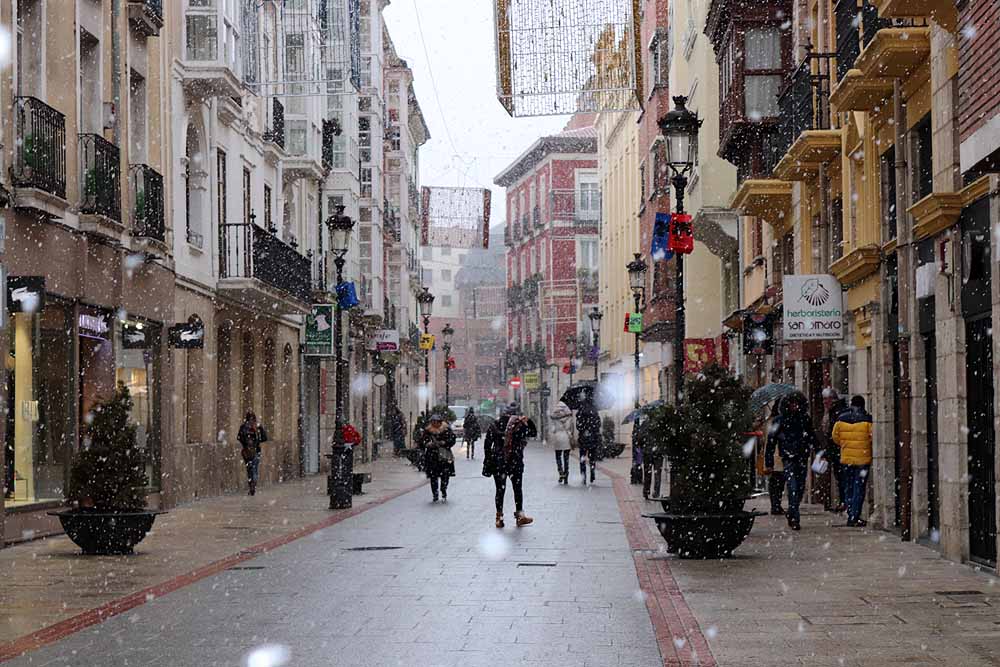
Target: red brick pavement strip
[678, 634]
[83, 620]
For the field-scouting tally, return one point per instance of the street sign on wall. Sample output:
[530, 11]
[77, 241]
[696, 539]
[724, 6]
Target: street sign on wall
[813, 307]
[384, 340]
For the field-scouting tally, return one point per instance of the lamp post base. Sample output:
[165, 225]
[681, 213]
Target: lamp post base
[340, 480]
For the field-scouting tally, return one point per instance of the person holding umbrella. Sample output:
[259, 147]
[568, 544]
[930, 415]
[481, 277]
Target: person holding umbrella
[588, 429]
[793, 436]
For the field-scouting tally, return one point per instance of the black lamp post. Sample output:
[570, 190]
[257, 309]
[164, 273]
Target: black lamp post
[340, 227]
[571, 350]
[446, 334]
[595, 328]
[637, 281]
[680, 130]
[426, 302]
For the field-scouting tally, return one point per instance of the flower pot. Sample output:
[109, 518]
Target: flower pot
[704, 535]
[106, 533]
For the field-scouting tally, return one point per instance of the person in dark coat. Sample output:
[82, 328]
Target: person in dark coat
[652, 462]
[470, 433]
[437, 439]
[833, 407]
[588, 434]
[504, 451]
[792, 434]
[395, 428]
[250, 437]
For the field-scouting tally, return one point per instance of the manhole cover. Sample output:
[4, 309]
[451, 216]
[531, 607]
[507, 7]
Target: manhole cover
[536, 564]
[371, 548]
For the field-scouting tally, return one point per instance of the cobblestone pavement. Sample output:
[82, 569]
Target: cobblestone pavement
[409, 583]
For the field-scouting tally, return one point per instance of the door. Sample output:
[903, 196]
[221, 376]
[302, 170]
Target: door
[310, 418]
[930, 375]
[982, 441]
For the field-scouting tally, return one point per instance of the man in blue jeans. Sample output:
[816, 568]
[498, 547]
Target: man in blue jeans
[853, 434]
[793, 435]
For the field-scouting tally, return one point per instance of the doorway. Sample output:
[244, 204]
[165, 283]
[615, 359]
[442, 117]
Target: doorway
[982, 441]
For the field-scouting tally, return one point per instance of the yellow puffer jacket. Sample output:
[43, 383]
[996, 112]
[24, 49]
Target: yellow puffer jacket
[853, 433]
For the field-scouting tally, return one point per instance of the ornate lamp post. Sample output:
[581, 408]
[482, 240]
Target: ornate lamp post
[571, 350]
[425, 300]
[680, 129]
[637, 281]
[446, 334]
[595, 328]
[341, 458]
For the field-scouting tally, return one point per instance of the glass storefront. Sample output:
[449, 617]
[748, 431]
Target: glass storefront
[41, 433]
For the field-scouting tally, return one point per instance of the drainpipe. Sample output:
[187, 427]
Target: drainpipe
[904, 249]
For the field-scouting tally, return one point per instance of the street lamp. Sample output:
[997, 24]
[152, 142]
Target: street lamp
[680, 130]
[571, 349]
[595, 329]
[637, 281]
[340, 227]
[446, 335]
[425, 300]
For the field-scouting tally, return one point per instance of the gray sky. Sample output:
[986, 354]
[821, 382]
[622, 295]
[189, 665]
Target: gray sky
[483, 138]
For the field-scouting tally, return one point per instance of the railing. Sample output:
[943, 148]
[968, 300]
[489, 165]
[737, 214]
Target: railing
[536, 216]
[100, 177]
[848, 37]
[147, 202]
[276, 133]
[317, 264]
[804, 104]
[526, 226]
[580, 208]
[871, 23]
[40, 159]
[248, 251]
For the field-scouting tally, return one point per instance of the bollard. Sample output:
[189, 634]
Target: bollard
[339, 483]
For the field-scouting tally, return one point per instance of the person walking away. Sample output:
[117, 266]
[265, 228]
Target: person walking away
[437, 439]
[652, 461]
[833, 405]
[588, 429]
[775, 473]
[470, 433]
[795, 440]
[250, 436]
[396, 428]
[504, 451]
[853, 434]
[561, 435]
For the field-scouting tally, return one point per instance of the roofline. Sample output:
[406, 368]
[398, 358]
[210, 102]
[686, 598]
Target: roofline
[537, 152]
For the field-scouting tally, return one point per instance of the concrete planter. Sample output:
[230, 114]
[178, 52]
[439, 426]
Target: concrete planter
[106, 533]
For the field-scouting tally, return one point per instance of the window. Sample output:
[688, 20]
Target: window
[587, 254]
[202, 32]
[642, 184]
[221, 186]
[446, 275]
[923, 175]
[267, 207]
[887, 166]
[250, 51]
[366, 181]
[589, 199]
[137, 117]
[365, 138]
[446, 300]
[762, 72]
[659, 69]
[427, 253]
[296, 139]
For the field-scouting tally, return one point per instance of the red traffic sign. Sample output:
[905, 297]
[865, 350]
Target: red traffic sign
[515, 382]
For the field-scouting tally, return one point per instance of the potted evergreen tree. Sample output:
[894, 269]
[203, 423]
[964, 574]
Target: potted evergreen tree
[108, 484]
[703, 440]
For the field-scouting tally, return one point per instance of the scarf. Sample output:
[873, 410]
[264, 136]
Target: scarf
[508, 436]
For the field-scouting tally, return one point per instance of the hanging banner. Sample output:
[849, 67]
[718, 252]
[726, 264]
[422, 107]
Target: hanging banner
[635, 323]
[426, 341]
[814, 307]
[660, 247]
[319, 330]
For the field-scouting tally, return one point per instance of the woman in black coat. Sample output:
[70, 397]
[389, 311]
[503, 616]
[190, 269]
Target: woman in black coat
[792, 434]
[505, 443]
[437, 439]
[588, 434]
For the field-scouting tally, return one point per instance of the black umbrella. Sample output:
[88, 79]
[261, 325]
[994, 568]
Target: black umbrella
[579, 394]
[485, 422]
[642, 411]
[768, 393]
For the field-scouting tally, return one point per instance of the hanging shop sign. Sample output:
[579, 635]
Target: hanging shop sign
[532, 381]
[135, 336]
[633, 323]
[384, 340]
[426, 341]
[758, 334]
[319, 330]
[25, 294]
[187, 335]
[94, 324]
[813, 307]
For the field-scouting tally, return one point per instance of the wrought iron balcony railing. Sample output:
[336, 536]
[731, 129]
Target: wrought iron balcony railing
[276, 132]
[100, 177]
[804, 103]
[248, 251]
[147, 202]
[40, 156]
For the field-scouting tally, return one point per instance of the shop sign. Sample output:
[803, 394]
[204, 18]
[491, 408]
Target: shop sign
[758, 333]
[25, 294]
[813, 307]
[384, 340]
[319, 330]
[187, 335]
[426, 341]
[93, 325]
[135, 336]
[634, 323]
[698, 353]
[532, 381]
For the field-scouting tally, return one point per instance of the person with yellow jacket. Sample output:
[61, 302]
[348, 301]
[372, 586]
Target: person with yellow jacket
[852, 432]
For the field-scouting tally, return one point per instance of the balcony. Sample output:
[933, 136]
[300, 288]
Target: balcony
[895, 51]
[147, 203]
[942, 12]
[210, 62]
[274, 133]
[577, 207]
[146, 16]
[39, 170]
[768, 199]
[857, 265]
[261, 271]
[100, 183]
[303, 144]
[804, 139]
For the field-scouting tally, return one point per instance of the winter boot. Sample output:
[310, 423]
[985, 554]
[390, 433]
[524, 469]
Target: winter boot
[522, 519]
[253, 488]
[499, 519]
